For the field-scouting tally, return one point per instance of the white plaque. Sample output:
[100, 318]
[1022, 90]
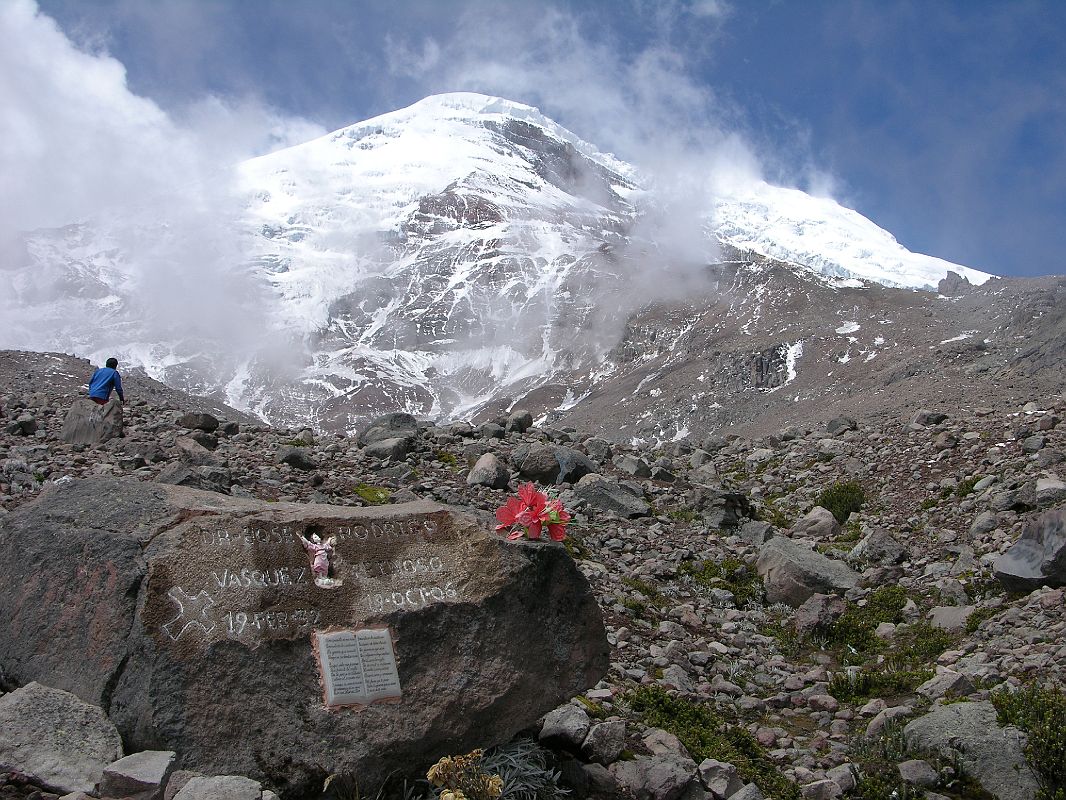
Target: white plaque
[358, 666]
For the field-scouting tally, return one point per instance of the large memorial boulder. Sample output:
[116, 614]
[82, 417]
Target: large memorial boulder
[89, 423]
[191, 618]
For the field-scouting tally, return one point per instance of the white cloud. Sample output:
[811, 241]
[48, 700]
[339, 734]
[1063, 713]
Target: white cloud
[76, 143]
[406, 60]
[715, 9]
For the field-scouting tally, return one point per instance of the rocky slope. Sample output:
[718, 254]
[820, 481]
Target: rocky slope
[691, 548]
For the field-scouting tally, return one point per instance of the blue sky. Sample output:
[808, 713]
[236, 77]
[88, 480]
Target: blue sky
[942, 121]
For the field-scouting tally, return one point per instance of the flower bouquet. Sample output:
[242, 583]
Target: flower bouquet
[530, 512]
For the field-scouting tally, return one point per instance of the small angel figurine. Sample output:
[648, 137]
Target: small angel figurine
[319, 552]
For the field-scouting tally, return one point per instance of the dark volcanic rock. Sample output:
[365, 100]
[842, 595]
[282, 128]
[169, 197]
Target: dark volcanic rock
[198, 421]
[296, 457]
[1038, 558]
[547, 463]
[489, 471]
[390, 426]
[190, 614]
[622, 498]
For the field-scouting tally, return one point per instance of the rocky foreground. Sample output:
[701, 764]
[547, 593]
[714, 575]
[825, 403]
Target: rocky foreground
[761, 644]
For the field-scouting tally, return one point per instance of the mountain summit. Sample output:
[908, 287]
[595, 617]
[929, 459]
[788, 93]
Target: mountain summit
[462, 254]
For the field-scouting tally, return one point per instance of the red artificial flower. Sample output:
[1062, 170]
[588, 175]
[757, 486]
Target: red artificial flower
[532, 510]
[508, 513]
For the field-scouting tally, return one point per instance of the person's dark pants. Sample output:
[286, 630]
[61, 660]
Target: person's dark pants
[99, 401]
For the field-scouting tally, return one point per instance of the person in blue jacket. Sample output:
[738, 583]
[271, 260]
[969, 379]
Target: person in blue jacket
[103, 381]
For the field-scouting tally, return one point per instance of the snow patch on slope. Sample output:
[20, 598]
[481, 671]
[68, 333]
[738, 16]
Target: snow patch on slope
[819, 233]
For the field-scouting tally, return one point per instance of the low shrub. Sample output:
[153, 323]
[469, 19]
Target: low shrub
[842, 498]
[1041, 713]
[853, 631]
[707, 735]
[730, 574]
[525, 769]
[373, 495]
[855, 687]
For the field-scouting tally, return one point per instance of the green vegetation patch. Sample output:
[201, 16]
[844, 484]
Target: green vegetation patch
[879, 777]
[860, 686]
[979, 615]
[655, 597]
[842, 498]
[444, 457]
[575, 545]
[1041, 713]
[853, 631]
[373, 495]
[707, 735]
[730, 574]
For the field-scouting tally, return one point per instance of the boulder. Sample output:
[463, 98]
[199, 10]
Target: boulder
[190, 615]
[950, 618]
[395, 448]
[61, 741]
[489, 471]
[1050, 491]
[207, 478]
[946, 684]
[878, 547]
[390, 426]
[718, 507]
[599, 450]
[605, 742]
[792, 573]
[89, 423]
[990, 754]
[818, 523]
[819, 611]
[199, 422]
[918, 773]
[548, 463]
[663, 777]
[1038, 558]
[519, 421]
[566, 727]
[720, 778]
[925, 417]
[617, 497]
[839, 425]
[633, 465]
[221, 787]
[756, 531]
[296, 457]
[140, 776]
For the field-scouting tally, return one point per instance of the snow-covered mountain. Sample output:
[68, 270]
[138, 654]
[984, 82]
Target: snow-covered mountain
[460, 254]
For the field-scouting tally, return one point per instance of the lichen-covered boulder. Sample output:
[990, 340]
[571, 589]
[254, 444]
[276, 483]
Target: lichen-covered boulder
[188, 616]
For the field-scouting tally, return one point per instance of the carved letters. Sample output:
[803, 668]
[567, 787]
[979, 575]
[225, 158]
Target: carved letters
[252, 582]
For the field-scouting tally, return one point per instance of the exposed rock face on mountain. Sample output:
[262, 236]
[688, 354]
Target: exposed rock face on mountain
[467, 255]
